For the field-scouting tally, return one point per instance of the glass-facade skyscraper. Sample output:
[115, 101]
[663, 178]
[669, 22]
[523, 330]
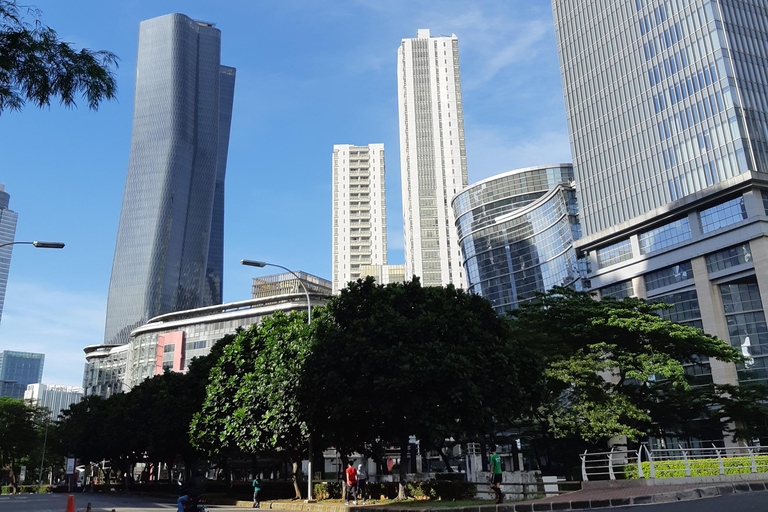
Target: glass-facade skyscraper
[433, 158]
[517, 231]
[8, 220]
[17, 370]
[169, 251]
[667, 107]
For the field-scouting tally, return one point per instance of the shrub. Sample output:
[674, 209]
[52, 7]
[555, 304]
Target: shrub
[328, 490]
[421, 490]
[387, 489]
[453, 491]
[699, 467]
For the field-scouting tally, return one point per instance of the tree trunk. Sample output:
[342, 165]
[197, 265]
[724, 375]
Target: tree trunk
[295, 478]
[446, 460]
[403, 468]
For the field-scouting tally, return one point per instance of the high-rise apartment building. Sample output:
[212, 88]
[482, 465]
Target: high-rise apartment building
[169, 251]
[359, 211]
[17, 370]
[8, 220]
[433, 160]
[667, 106]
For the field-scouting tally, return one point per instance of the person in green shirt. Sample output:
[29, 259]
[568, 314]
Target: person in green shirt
[495, 474]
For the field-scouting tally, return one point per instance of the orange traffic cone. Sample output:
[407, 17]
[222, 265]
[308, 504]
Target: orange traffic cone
[71, 503]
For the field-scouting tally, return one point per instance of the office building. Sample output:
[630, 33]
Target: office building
[56, 399]
[8, 220]
[667, 108]
[433, 160]
[359, 211]
[169, 250]
[516, 231]
[19, 369]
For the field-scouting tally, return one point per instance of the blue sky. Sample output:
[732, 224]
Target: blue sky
[310, 74]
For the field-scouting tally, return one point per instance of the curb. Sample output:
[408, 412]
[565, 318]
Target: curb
[533, 506]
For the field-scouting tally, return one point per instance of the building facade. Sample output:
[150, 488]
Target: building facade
[517, 231]
[287, 283]
[169, 250]
[18, 370]
[8, 220]
[433, 159]
[667, 106]
[56, 399]
[359, 211]
[384, 274]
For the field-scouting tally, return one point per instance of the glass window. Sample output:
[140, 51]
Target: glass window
[613, 254]
[665, 236]
[723, 214]
[727, 258]
[668, 276]
[618, 290]
[747, 328]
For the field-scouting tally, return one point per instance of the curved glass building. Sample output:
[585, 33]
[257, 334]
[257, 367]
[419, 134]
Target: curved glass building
[516, 233]
[169, 251]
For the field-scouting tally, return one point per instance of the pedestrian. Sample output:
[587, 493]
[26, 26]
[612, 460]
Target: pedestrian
[256, 489]
[495, 474]
[351, 484]
[362, 479]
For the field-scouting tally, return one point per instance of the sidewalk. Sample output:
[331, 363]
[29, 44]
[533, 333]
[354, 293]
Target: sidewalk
[594, 497]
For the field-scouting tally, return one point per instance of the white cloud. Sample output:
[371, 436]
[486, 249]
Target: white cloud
[53, 322]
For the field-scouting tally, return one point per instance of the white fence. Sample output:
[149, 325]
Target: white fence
[666, 463]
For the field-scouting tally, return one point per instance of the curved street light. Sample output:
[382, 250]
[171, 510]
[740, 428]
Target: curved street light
[262, 264]
[41, 245]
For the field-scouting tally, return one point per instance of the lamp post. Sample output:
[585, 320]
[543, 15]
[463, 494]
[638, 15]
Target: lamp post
[262, 264]
[40, 245]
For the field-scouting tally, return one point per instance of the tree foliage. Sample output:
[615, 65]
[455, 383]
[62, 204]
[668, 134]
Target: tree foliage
[21, 430]
[604, 358]
[390, 362]
[252, 402]
[35, 65]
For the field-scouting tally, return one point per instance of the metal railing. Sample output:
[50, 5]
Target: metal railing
[674, 462]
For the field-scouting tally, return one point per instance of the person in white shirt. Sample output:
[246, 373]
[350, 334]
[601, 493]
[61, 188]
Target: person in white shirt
[362, 479]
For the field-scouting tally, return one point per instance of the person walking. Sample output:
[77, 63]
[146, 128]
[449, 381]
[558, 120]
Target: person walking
[362, 479]
[495, 474]
[351, 484]
[256, 489]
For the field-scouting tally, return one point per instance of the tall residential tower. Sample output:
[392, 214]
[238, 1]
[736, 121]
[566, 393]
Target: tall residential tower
[168, 255]
[667, 106]
[359, 211]
[433, 160]
[8, 220]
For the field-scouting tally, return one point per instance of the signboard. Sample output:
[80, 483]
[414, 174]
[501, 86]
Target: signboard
[70, 465]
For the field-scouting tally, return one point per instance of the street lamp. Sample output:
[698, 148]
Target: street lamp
[40, 245]
[262, 264]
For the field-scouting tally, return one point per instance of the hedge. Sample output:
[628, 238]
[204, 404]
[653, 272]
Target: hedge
[431, 489]
[699, 467]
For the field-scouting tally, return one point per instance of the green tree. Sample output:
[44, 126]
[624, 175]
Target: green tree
[401, 360]
[604, 357]
[35, 65]
[252, 402]
[21, 426]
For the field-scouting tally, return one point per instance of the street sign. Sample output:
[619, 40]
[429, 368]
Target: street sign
[70, 465]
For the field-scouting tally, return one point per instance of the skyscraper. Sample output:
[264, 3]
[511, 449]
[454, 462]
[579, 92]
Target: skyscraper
[433, 160]
[8, 220]
[667, 106]
[168, 255]
[359, 211]
[17, 370]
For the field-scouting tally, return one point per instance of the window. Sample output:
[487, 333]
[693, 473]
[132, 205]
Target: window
[727, 258]
[668, 276]
[618, 290]
[723, 214]
[613, 254]
[665, 236]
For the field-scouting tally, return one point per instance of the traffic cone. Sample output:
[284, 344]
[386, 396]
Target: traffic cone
[71, 503]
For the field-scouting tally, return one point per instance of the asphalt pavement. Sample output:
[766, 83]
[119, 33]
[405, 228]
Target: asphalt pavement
[99, 503]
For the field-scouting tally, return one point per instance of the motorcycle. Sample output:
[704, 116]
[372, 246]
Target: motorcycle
[196, 504]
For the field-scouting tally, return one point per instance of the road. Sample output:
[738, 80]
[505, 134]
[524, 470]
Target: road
[99, 503]
[745, 502]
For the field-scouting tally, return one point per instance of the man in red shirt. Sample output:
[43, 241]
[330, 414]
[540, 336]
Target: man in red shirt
[351, 484]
